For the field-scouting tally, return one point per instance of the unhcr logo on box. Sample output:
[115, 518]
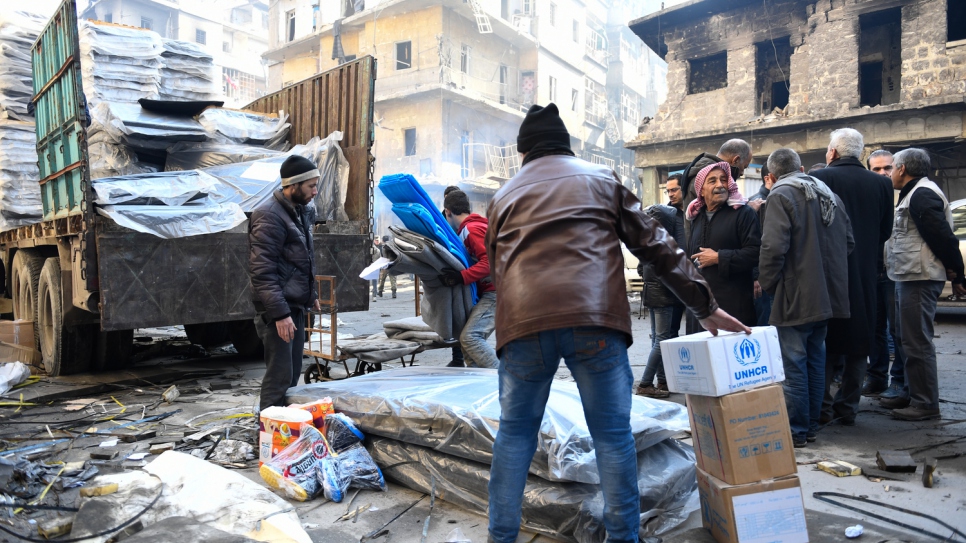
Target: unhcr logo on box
[748, 351]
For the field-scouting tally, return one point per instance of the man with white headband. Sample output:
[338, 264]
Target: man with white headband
[282, 268]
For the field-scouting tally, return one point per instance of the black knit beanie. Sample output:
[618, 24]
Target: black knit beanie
[542, 124]
[293, 166]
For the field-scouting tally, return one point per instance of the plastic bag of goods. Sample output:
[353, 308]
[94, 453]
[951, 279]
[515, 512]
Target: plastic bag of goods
[294, 470]
[348, 464]
[319, 410]
[279, 427]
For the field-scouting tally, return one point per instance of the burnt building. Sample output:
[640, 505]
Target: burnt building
[785, 73]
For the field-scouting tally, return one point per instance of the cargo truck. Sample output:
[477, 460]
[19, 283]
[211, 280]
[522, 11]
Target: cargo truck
[88, 283]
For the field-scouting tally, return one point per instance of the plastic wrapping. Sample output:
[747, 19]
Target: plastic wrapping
[20, 203]
[195, 155]
[171, 222]
[293, 471]
[334, 183]
[565, 511]
[163, 188]
[119, 63]
[353, 468]
[234, 126]
[18, 31]
[187, 73]
[461, 407]
[131, 125]
[341, 433]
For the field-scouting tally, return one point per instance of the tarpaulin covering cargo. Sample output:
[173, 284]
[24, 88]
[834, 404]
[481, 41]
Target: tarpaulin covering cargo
[566, 511]
[456, 411]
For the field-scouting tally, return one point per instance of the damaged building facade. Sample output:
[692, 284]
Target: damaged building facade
[785, 73]
[455, 79]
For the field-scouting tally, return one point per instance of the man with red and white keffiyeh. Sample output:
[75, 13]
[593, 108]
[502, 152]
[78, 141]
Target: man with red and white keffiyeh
[724, 243]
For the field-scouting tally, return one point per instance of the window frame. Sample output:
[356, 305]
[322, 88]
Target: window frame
[466, 52]
[150, 21]
[552, 89]
[409, 45]
[406, 147]
[199, 33]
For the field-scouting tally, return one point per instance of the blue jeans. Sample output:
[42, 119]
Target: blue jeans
[479, 327]
[879, 371]
[665, 324]
[597, 358]
[763, 308]
[803, 354]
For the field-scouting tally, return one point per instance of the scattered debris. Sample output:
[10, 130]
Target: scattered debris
[137, 436]
[928, 469]
[839, 468]
[11, 375]
[877, 475]
[457, 536]
[55, 527]
[171, 394]
[103, 490]
[105, 454]
[895, 461]
[853, 532]
[161, 448]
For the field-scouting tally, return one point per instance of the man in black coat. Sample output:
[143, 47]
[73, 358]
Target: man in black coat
[282, 269]
[724, 242]
[736, 152]
[867, 199]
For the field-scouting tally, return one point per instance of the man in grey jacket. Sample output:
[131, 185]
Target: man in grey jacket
[804, 250]
[282, 269]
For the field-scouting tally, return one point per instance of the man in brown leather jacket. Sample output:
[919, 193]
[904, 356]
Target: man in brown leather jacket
[554, 248]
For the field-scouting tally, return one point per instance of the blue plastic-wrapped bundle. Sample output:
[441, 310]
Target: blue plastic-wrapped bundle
[418, 212]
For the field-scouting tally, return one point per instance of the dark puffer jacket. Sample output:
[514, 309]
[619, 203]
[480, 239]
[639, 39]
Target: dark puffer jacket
[281, 258]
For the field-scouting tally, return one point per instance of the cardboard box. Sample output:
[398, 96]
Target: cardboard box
[769, 511]
[17, 332]
[714, 366]
[743, 437]
[19, 353]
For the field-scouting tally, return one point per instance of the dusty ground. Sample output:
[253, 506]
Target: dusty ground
[226, 384]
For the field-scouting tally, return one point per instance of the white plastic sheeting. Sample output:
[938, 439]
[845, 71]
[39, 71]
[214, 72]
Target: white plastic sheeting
[19, 187]
[187, 73]
[171, 222]
[18, 31]
[119, 64]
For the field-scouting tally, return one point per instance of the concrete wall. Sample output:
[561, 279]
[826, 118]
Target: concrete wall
[824, 64]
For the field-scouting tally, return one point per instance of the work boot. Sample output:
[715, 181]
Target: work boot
[380, 294]
[651, 391]
[800, 444]
[916, 413]
[870, 391]
[662, 386]
[894, 391]
[900, 402]
[394, 294]
[456, 364]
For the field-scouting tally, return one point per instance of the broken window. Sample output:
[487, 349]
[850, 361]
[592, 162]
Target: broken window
[880, 58]
[708, 73]
[465, 52]
[771, 74]
[573, 99]
[147, 23]
[504, 79]
[409, 140]
[404, 55]
[290, 25]
[955, 20]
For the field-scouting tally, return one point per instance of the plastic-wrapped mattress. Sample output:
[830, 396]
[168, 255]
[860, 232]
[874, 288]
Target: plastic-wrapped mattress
[566, 511]
[457, 411]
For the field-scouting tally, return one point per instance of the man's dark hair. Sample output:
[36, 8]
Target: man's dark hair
[915, 160]
[676, 177]
[817, 166]
[449, 189]
[784, 161]
[457, 202]
[735, 147]
[875, 154]
[764, 171]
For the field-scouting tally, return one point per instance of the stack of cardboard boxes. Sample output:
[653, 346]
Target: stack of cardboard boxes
[17, 343]
[742, 441]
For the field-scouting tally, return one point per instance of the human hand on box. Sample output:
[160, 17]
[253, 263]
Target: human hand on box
[719, 320]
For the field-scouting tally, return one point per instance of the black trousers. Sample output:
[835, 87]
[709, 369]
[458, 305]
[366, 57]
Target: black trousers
[283, 360]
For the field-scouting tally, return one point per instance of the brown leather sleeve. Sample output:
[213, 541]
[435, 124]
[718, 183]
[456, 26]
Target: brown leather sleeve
[646, 239]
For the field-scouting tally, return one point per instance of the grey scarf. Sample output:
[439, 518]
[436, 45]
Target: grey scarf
[813, 188]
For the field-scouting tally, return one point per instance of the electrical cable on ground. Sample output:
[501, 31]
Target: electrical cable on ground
[826, 497]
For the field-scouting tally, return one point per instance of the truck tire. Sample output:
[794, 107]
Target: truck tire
[112, 350]
[245, 338]
[23, 287]
[66, 349]
[208, 334]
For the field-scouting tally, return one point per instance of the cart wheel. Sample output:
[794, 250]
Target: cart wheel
[314, 374]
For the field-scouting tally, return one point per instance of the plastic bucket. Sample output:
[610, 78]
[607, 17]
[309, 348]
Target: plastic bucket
[278, 427]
